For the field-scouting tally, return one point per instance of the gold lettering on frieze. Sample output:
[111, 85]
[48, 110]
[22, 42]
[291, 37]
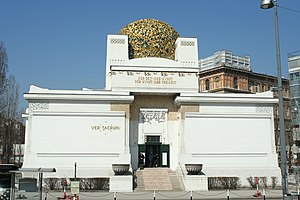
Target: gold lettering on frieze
[130, 73]
[181, 74]
[164, 73]
[147, 73]
[155, 80]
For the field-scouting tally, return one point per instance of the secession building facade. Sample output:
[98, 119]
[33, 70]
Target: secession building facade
[152, 103]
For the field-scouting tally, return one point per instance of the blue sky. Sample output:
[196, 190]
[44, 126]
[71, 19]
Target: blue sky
[61, 44]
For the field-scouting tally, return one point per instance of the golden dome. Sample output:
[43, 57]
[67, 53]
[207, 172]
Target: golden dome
[150, 38]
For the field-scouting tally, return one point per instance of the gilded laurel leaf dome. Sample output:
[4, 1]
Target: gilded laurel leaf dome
[150, 38]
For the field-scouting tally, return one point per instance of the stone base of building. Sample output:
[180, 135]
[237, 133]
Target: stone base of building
[245, 173]
[120, 184]
[195, 183]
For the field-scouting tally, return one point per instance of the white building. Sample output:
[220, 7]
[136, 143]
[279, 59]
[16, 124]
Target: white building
[294, 74]
[225, 58]
[150, 104]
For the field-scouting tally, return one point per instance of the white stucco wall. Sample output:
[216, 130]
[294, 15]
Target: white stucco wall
[229, 140]
[230, 135]
[64, 127]
[61, 139]
[81, 132]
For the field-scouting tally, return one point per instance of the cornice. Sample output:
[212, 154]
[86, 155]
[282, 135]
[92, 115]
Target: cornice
[262, 98]
[78, 97]
[190, 69]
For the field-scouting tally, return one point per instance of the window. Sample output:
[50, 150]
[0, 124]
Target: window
[217, 81]
[235, 83]
[270, 87]
[206, 84]
[153, 139]
[250, 86]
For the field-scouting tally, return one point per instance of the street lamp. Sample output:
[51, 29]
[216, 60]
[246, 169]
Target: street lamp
[266, 4]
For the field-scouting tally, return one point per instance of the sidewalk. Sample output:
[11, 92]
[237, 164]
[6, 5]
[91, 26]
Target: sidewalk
[234, 194]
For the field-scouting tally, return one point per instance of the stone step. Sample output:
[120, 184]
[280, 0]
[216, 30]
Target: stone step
[176, 181]
[139, 181]
[158, 179]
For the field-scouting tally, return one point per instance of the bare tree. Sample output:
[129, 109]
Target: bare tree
[11, 99]
[3, 79]
[10, 113]
[3, 74]
[10, 124]
[3, 70]
[3, 66]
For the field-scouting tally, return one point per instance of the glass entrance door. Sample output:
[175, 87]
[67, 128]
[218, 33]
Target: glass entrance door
[152, 155]
[155, 153]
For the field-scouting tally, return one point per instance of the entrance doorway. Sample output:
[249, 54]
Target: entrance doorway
[152, 155]
[155, 153]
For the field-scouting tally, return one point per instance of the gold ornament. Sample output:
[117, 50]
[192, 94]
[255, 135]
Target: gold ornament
[150, 38]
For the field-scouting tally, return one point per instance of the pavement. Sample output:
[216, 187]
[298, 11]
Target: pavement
[210, 195]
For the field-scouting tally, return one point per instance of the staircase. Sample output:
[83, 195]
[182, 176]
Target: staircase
[158, 179]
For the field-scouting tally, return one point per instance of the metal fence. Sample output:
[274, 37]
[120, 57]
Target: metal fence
[157, 195]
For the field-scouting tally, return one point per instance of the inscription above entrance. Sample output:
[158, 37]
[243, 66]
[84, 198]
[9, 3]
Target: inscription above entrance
[155, 80]
[159, 81]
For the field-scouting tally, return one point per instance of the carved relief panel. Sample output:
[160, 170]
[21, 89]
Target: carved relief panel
[153, 122]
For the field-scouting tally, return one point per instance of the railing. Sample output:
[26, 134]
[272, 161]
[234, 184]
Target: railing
[157, 195]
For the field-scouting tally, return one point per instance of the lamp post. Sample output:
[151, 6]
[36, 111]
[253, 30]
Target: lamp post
[267, 4]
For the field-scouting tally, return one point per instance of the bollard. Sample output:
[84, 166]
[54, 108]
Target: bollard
[191, 195]
[153, 195]
[227, 194]
[115, 197]
[298, 192]
[264, 194]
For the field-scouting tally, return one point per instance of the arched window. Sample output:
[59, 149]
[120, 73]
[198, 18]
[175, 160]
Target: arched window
[235, 83]
[250, 86]
[217, 82]
[206, 84]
